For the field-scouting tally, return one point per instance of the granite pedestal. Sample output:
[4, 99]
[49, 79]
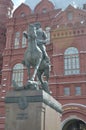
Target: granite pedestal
[32, 110]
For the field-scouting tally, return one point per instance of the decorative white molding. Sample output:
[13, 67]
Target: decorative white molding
[6, 65]
[4, 85]
[72, 82]
[60, 54]
[3, 91]
[4, 79]
[74, 104]
[6, 70]
[2, 117]
[82, 51]
[2, 97]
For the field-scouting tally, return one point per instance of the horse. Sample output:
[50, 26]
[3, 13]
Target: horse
[33, 57]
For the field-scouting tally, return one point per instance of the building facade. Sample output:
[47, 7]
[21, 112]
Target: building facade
[66, 47]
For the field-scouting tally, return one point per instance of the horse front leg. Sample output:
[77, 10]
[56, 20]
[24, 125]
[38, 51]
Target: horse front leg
[36, 69]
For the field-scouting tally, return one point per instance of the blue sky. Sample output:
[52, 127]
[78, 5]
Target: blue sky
[17, 2]
[58, 3]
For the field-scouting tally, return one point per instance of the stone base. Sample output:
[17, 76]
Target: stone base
[32, 110]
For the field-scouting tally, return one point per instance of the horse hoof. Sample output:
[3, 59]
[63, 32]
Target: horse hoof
[33, 85]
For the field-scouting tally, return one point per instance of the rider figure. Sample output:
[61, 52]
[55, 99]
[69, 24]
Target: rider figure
[41, 40]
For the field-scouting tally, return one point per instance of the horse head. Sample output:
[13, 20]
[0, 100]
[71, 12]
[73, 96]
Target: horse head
[32, 31]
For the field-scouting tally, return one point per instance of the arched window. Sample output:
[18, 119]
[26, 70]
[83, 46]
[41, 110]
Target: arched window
[17, 74]
[17, 39]
[24, 41]
[71, 61]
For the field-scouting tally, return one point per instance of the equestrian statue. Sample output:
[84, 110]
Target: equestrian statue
[37, 58]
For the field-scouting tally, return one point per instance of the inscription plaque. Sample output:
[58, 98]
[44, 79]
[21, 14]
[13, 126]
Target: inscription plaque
[22, 116]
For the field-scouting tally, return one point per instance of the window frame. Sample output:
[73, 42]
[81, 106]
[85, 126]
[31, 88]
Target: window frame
[66, 91]
[18, 74]
[78, 91]
[71, 61]
[17, 40]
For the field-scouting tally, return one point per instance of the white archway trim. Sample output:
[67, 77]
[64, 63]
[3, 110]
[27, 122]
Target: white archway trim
[74, 104]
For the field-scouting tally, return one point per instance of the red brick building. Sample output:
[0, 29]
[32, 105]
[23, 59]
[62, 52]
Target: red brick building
[66, 31]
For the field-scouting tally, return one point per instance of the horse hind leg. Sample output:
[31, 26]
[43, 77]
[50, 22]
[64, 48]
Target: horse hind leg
[46, 73]
[44, 84]
[39, 75]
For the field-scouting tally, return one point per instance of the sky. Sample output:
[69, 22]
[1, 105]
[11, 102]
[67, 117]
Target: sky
[17, 3]
[58, 3]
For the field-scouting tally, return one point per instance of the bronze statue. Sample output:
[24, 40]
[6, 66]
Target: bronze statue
[36, 56]
[41, 40]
